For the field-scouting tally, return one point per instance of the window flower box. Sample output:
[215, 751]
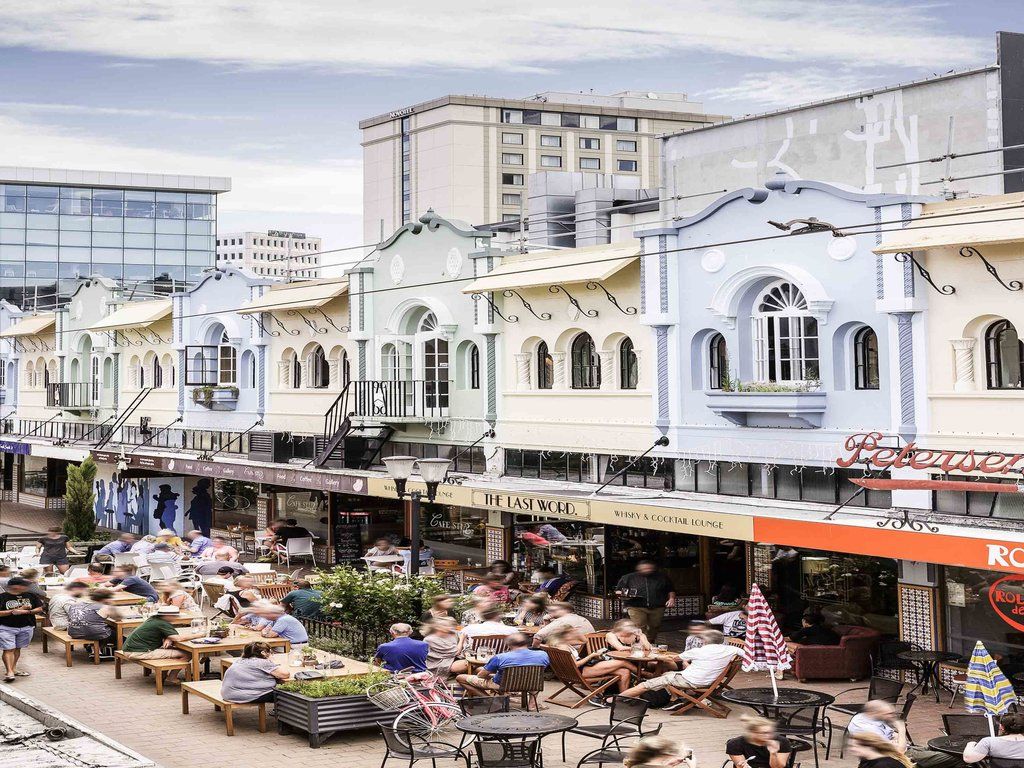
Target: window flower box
[791, 409]
[216, 398]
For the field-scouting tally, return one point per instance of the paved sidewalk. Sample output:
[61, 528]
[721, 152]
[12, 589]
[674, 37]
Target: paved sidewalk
[22, 518]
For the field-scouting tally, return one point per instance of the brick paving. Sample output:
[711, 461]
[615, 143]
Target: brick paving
[129, 711]
[22, 518]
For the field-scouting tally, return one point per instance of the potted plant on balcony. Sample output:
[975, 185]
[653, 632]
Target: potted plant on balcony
[324, 707]
[216, 398]
[794, 405]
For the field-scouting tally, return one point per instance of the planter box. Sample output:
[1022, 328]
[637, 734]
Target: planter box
[793, 410]
[220, 400]
[322, 718]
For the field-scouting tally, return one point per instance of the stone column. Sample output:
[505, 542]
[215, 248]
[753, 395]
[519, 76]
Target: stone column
[522, 370]
[558, 366]
[282, 374]
[963, 364]
[334, 374]
[607, 369]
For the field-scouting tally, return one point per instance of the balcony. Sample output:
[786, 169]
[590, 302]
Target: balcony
[786, 410]
[400, 401]
[73, 395]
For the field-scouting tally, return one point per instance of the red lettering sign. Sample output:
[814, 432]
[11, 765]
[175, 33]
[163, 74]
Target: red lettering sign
[865, 448]
[1007, 599]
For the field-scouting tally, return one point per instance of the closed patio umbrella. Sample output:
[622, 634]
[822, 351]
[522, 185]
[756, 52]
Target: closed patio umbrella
[987, 690]
[764, 648]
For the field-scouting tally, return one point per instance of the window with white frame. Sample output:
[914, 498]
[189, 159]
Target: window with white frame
[785, 336]
[626, 165]
[509, 198]
[511, 158]
[295, 371]
[590, 163]
[625, 145]
[227, 361]
[512, 138]
[550, 161]
[550, 141]
[319, 370]
[589, 143]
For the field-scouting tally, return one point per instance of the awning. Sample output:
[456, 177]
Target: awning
[30, 326]
[975, 221]
[579, 265]
[310, 293]
[136, 314]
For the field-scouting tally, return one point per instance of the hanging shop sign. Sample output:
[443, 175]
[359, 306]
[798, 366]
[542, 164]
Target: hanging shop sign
[866, 449]
[13, 446]
[1006, 596]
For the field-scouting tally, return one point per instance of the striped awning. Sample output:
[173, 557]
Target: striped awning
[307, 294]
[30, 326]
[592, 264]
[135, 314]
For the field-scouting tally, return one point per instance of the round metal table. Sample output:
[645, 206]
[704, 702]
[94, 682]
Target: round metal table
[516, 725]
[928, 661]
[951, 745]
[767, 704]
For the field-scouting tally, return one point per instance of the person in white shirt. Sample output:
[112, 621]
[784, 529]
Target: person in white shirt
[880, 718]
[489, 625]
[144, 545]
[703, 666]
[162, 554]
[562, 615]
[733, 623]
[57, 609]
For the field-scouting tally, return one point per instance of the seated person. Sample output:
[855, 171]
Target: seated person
[402, 652]
[94, 574]
[87, 620]
[695, 634]
[219, 550]
[171, 593]
[243, 589]
[562, 615]
[550, 580]
[291, 530]
[170, 538]
[123, 579]
[490, 624]
[1008, 745]
[489, 678]
[814, 632]
[57, 610]
[118, 546]
[31, 575]
[304, 602]
[504, 570]
[272, 620]
[592, 667]
[254, 677]
[872, 751]
[197, 543]
[733, 623]
[624, 634]
[533, 611]
[162, 554]
[759, 746]
[552, 534]
[493, 588]
[383, 547]
[154, 638]
[444, 647]
[878, 719]
[477, 605]
[532, 537]
[702, 666]
[145, 545]
[440, 608]
[728, 598]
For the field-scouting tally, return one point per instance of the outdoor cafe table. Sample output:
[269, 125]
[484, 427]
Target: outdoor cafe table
[128, 623]
[928, 663]
[649, 657]
[516, 725]
[119, 598]
[951, 745]
[352, 667]
[767, 704]
[241, 639]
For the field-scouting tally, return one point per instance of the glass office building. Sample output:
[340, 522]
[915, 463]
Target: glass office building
[159, 238]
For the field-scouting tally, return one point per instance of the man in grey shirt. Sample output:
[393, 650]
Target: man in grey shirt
[254, 677]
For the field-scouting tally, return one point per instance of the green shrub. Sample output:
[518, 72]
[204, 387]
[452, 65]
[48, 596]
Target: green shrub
[372, 601]
[355, 685]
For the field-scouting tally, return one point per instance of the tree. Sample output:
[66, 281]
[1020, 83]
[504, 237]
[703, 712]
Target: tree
[79, 501]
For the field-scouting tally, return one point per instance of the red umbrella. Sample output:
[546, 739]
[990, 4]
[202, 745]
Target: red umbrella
[764, 648]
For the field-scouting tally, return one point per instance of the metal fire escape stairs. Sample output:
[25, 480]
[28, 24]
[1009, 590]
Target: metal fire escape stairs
[347, 444]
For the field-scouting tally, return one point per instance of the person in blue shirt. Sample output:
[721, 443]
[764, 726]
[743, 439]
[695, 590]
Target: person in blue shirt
[120, 545]
[519, 655]
[551, 581]
[403, 652]
[272, 620]
[197, 542]
[123, 579]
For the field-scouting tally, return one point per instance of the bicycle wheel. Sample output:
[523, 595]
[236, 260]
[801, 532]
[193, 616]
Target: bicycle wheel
[431, 720]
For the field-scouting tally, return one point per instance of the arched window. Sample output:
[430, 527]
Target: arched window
[319, 370]
[628, 369]
[474, 367]
[346, 369]
[785, 336]
[428, 323]
[158, 373]
[545, 367]
[295, 371]
[718, 362]
[247, 370]
[168, 366]
[865, 359]
[586, 366]
[227, 361]
[389, 362]
[1004, 356]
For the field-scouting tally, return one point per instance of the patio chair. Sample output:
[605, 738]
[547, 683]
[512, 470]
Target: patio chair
[563, 665]
[411, 747]
[296, 548]
[878, 688]
[596, 641]
[808, 728]
[254, 568]
[507, 754]
[701, 697]
[129, 558]
[885, 658]
[625, 721]
[965, 725]
[908, 703]
[527, 681]
[493, 643]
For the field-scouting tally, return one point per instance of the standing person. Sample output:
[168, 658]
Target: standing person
[53, 550]
[57, 609]
[292, 530]
[402, 652]
[304, 602]
[759, 746]
[254, 677]
[647, 593]
[1008, 745]
[123, 579]
[87, 621]
[519, 654]
[659, 751]
[18, 610]
[874, 751]
[31, 577]
[879, 718]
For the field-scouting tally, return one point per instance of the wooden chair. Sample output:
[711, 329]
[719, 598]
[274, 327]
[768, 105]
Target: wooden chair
[527, 680]
[445, 565]
[701, 697]
[275, 591]
[596, 641]
[563, 665]
[492, 643]
[267, 577]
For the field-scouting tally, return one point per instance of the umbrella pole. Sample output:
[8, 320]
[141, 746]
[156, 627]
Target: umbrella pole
[991, 725]
[775, 685]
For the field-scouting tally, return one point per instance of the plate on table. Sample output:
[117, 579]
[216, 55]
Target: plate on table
[207, 640]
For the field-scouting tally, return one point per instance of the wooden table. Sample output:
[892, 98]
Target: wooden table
[650, 657]
[119, 598]
[352, 667]
[241, 639]
[131, 622]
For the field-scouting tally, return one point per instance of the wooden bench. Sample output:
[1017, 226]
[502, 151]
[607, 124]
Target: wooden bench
[62, 636]
[210, 690]
[159, 668]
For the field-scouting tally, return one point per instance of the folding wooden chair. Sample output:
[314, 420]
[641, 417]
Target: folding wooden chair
[701, 697]
[493, 643]
[563, 665]
[596, 641]
[527, 680]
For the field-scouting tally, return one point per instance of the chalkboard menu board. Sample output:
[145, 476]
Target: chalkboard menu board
[348, 542]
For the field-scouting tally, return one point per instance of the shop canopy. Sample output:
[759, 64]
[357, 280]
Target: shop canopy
[976, 221]
[135, 314]
[30, 326]
[307, 294]
[578, 265]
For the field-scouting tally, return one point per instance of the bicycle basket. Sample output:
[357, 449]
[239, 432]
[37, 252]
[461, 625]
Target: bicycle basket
[389, 696]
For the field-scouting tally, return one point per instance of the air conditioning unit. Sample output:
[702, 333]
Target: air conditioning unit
[270, 446]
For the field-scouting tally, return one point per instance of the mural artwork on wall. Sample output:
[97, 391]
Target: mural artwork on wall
[145, 505]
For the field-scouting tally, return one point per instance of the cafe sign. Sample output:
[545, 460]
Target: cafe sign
[527, 504]
[866, 449]
[1006, 596]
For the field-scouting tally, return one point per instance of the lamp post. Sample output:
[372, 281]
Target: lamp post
[433, 472]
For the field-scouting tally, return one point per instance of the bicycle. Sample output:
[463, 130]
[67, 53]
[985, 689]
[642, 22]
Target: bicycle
[425, 704]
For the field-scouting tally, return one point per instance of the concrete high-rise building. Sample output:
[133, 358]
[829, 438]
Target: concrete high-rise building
[274, 253]
[469, 157]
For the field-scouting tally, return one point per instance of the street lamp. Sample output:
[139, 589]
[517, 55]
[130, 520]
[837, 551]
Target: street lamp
[433, 472]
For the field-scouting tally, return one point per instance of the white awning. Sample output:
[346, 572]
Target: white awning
[310, 293]
[594, 263]
[135, 314]
[975, 221]
[30, 326]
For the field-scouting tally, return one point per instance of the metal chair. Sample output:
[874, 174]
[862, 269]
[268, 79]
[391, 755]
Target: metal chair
[484, 705]
[965, 725]
[886, 658]
[809, 728]
[408, 746]
[908, 704]
[527, 681]
[879, 689]
[507, 754]
[625, 720]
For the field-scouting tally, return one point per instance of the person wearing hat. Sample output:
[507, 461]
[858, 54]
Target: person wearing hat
[155, 637]
[169, 537]
[18, 610]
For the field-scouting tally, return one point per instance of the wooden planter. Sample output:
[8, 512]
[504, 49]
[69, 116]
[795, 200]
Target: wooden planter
[322, 718]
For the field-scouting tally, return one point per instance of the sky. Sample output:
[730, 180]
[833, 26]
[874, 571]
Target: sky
[270, 92]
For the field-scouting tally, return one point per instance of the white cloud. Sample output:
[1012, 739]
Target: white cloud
[783, 89]
[33, 107]
[462, 34]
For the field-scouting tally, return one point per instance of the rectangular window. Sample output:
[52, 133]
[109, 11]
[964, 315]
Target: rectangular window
[625, 123]
[551, 141]
[590, 121]
[550, 161]
[512, 116]
[590, 164]
[511, 158]
[550, 118]
[626, 165]
[510, 217]
[512, 138]
[511, 199]
[515, 179]
[589, 143]
[531, 116]
[625, 145]
[570, 120]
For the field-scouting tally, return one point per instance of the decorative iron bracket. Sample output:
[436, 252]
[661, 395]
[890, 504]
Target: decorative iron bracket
[156, 338]
[111, 337]
[593, 286]
[125, 341]
[946, 290]
[899, 523]
[282, 326]
[313, 326]
[573, 300]
[508, 294]
[327, 319]
[485, 297]
[1014, 285]
[258, 317]
[30, 340]
[142, 337]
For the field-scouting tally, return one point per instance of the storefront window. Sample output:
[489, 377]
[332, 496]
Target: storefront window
[580, 556]
[454, 533]
[308, 508]
[234, 503]
[43, 477]
[678, 555]
[977, 608]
